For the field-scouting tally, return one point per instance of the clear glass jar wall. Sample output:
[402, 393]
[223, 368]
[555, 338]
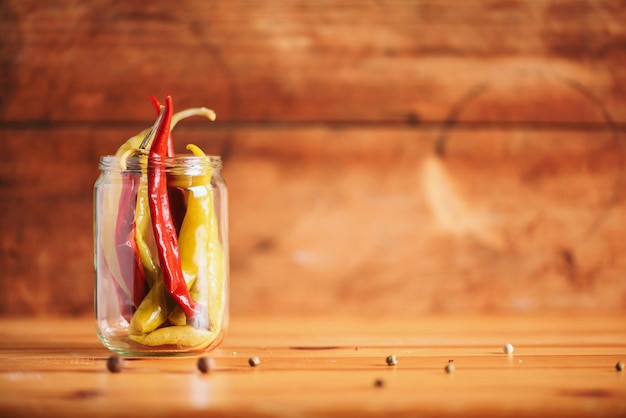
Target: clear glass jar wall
[140, 307]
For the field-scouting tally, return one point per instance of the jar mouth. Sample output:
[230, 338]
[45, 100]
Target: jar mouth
[177, 162]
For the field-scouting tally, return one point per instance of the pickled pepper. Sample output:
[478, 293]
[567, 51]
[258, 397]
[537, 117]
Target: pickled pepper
[162, 222]
[187, 279]
[176, 196]
[131, 267]
[207, 288]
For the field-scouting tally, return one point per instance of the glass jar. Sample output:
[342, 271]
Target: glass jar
[166, 296]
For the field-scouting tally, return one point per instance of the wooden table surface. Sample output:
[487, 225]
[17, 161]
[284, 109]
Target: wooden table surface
[314, 366]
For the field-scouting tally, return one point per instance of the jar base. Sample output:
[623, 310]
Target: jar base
[125, 347]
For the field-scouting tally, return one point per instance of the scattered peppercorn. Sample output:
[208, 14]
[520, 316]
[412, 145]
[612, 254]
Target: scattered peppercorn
[508, 348]
[254, 361]
[115, 364]
[379, 383]
[619, 366]
[206, 364]
[392, 360]
[450, 367]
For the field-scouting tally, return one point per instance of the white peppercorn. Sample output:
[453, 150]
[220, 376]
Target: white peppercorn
[508, 348]
[450, 367]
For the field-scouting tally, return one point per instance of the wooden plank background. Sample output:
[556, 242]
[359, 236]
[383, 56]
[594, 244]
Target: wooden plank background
[396, 157]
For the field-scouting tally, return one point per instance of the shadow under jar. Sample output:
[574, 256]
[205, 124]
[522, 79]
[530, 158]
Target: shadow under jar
[159, 290]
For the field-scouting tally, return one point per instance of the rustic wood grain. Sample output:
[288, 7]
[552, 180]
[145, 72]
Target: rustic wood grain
[328, 366]
[355, 221]
[399, 156]
[395, 60]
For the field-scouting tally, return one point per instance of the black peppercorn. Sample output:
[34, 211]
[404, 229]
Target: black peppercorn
[254, 361]
[379, 383]
[391, 360]
[115, 364]
[619, 366]
[206, 364]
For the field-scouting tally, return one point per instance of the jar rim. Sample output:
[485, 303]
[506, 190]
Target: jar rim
[137, 163]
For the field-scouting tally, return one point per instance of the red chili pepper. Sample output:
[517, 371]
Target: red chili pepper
[176, 195]
[162, 222]
[170, 142]
[128, 257]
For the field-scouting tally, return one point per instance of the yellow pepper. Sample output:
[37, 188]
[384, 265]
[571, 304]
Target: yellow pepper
[210, 287]
[134, 142]
[142, 229]
[195, 234]
[153, 310]
[180, 335]
[193, 242]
